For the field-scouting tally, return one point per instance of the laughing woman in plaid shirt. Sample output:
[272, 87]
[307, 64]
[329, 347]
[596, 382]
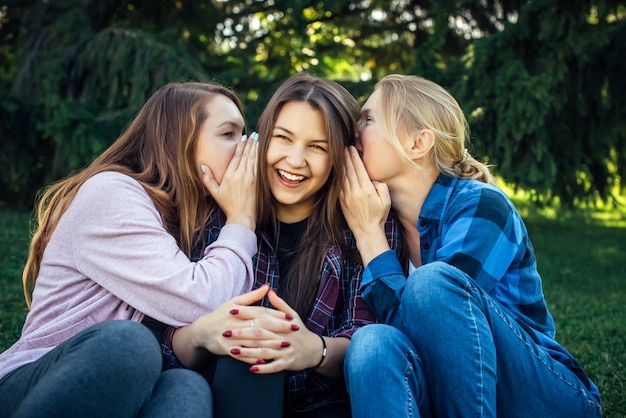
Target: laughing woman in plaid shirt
[469, 331]
[307, 255]
[306, 251]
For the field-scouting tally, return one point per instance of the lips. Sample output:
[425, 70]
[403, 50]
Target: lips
[290, 177]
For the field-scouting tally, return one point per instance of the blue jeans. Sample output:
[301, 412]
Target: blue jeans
[112, 369]
[458, 354]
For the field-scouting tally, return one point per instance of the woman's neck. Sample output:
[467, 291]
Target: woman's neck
[290, 214]
[409, 191]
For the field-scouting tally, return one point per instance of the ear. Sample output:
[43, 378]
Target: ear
[419, 143]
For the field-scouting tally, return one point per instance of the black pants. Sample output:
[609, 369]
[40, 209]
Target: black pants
[237, 393]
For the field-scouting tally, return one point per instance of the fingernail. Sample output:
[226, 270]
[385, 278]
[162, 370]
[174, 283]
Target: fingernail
[233, 311]
[202, 168]
[260, 361]
[256, 136]
[227, 333]
[254, 369]
[288, 317]
[235, 351]
[244, 138]
[294, 327]
[285, 343]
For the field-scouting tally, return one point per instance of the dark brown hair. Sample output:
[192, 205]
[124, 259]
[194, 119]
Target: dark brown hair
[326, 225]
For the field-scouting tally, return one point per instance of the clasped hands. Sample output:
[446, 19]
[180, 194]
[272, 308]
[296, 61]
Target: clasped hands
[269, 339]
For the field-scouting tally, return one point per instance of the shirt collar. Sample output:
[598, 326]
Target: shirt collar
[435, 204]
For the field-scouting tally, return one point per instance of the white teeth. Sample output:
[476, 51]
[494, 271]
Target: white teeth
[290, 177]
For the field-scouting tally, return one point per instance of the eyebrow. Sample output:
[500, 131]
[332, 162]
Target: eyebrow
[231, 123]
[325, 141]
[283, 129]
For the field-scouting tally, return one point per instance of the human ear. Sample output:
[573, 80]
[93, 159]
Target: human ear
[420, 143]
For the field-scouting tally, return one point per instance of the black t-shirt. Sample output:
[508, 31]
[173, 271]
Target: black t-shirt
[288, 239]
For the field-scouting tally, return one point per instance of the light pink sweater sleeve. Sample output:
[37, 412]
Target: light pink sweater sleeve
[118, 241]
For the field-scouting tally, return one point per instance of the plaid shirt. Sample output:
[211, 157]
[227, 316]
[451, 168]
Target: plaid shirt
[475, 227]
[338, 310]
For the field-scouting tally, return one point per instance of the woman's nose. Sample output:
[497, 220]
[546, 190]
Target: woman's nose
[296, 157]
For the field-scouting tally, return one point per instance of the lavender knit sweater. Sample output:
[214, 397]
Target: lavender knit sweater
[111, 258]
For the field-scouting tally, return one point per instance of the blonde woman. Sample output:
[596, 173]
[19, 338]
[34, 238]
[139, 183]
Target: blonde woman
[469, 333]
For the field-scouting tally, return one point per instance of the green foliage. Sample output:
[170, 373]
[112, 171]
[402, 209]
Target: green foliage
[548, 106]
[542, 81]
[24, 159]
[85, 77]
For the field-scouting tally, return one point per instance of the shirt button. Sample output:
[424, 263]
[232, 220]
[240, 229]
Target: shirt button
[426, 246]
[422, 223]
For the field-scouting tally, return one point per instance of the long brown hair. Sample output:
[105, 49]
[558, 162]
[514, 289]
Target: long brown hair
[158, 150]
[326, 225]
[412, 103]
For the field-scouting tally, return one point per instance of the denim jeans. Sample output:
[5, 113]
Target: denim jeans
[112, 369]
[458, 354]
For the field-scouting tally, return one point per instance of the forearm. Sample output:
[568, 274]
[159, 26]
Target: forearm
[189, 354]
[371, 245]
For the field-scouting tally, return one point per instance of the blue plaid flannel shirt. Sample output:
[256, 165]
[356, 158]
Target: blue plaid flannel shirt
[475, 227]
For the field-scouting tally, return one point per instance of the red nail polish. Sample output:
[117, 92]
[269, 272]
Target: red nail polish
[227, 333]
[260, 361]
[285, 344]
[233, 311]
[235, 351]
[288, 317]
[294, 327]
[254, 369]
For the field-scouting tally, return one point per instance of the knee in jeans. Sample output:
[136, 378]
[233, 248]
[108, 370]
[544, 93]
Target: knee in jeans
[370, 342]
[192, 382]
[131, 335]
[132, 341]
[433, 284]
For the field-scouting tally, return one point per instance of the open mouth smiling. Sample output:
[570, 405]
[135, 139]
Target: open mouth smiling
[290, 177]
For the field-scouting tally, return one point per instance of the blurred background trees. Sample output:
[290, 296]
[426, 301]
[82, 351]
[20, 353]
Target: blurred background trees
[543, 82]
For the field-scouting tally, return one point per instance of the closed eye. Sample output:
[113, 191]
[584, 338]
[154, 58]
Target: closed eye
[282, 137]
[319, 148]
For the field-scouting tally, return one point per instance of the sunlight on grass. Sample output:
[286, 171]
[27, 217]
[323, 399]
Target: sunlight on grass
[599, 213]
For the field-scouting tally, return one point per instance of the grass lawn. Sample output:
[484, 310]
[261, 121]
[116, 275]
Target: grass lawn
[581, 256]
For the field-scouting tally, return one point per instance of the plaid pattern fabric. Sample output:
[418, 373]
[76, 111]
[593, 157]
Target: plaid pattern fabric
[338, 309]
[475, 227]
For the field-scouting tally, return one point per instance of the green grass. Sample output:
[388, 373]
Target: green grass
[14, 234]
[581, 256]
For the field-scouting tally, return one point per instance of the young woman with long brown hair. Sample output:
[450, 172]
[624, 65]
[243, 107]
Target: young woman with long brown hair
[112, 248]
